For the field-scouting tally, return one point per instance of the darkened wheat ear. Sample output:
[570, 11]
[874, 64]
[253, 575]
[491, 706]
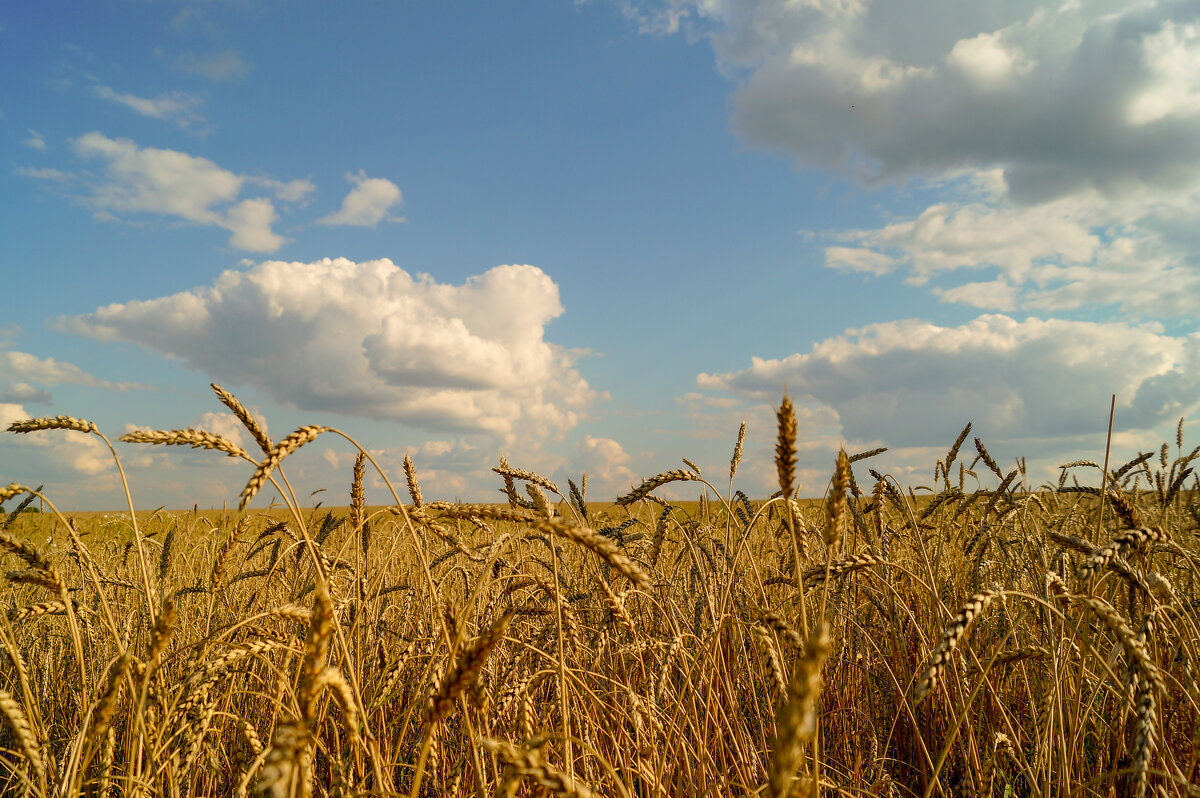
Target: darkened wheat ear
[785, 447]
[836, 503]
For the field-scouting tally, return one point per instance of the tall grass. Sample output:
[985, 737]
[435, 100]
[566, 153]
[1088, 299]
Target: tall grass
[953, 640]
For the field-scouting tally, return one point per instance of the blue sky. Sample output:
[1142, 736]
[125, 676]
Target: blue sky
[594, 236]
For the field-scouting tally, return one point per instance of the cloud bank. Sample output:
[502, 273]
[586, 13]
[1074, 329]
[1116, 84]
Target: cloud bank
[906, 382]
[1064, 139]
[369, 339]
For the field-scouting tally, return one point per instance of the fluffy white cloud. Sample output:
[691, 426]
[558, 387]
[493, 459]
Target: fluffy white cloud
[52, 451]
[370, 339]
[157, 181]
[1076, 126]
[367, 204]
[903, 382]
[1086, 249]
[176, 106]
[224, 65]
[1012, 84]
[606, 463]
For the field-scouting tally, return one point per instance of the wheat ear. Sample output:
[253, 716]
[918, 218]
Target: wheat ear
[936, 664]
[285, 447]
[196, 438]
[243, 415]
[796, 721]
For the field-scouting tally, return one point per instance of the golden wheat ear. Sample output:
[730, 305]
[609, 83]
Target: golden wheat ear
[243, 415]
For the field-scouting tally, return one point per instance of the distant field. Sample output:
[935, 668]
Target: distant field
[1013, 641]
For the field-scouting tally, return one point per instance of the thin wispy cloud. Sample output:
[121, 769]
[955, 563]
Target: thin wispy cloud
[223, 65]
[36, 141]
[176, 106]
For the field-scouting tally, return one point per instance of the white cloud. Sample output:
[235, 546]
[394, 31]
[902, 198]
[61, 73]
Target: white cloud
[606, 463]
[176, 106]
[903, 382]
[1172, 55]
[1086, 249]
[36, 141]
[49, 175]
[367, 204]
[157, 181]
[53, 451]
[371, 340]
[1063, 139]
[290, 191]
[23, 377]
[1015, 85]
[987, 60]
[224, 65]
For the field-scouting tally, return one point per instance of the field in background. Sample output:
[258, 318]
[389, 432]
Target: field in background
[1011, 641]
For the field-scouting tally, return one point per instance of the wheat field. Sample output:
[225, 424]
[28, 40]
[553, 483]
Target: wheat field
[945, 640]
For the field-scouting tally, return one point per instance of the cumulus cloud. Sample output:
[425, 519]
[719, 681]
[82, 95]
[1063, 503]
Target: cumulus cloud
[903, 382]
[1082, 119]
[1015, 84]
[367, 204]
[370, 339]
[53, 451]
[606, 463]
[1081, 250]
[223, 65]
[173, 183]
[176, 106]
